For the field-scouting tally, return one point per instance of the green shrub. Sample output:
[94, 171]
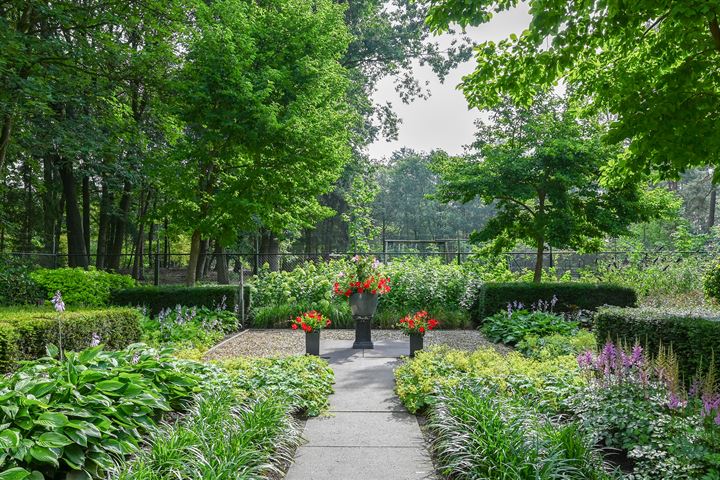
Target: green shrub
[711, 283]
[188, 328]
[552, 346]
[303, 382]
[25, 333]
[693, 335]
[545, 382]
[570, 297]
[79, 287]
[16, 284]
[157, 299]
[512, 327]
[417, 284]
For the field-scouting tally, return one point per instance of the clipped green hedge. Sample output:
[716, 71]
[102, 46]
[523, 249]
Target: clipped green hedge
[24, 333]
[80, 287]
[571, 296]
[693, 336]
[157, 299]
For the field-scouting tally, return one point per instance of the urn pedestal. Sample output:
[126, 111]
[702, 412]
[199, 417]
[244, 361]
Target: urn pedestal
[363, 307]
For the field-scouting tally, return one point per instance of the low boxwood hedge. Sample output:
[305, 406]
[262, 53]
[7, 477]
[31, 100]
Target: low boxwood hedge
[24, 333]
[694, 336]
[571, 296]
[157, 299]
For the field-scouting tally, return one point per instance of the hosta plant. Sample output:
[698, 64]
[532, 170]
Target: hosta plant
[309, 322]
[419, 323]
[513, 326]
[73, 417]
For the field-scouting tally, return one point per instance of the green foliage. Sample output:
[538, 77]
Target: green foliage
[302, 382]
[541, 169]
[546, 383]
[571, 297]
[711, 283]
[27, 331]
[157, 299]
[551, 346]
[17, 287]
[650, 64]
[514, 327]
[481, 433]
[188, 327]
[693, 335]
[417, 284]
[220, 437]
[80, 413]
[80, 287]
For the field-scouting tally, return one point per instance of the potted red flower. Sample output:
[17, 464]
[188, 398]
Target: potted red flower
[311, 323]
[416, 326]
[362, 284]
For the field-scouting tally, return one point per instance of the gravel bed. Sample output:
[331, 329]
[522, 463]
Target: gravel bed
[278, 342]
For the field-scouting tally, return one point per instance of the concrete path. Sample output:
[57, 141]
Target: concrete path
[368, 434]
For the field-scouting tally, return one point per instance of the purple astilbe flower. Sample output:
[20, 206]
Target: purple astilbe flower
[694, 388]
[96, 339]
[675, 402]
[710, 403]
[58, 303]
[717, 418]
[585, 360]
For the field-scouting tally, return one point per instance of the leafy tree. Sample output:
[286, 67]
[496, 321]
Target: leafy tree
[542, 169]
[405, 206]
[262, 101]
[653, 64]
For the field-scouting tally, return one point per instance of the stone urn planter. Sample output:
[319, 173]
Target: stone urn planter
[416, 343]
[312, 343]
[363, 306]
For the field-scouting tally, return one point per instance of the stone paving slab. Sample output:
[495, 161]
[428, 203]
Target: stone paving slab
[361, 463]
[365, 400]
[364, 429]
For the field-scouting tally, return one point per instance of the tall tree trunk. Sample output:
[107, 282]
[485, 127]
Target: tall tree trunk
[139, 259]
[120, 224]
[103, 224]
[50, 204]
[202, 258]
[5, 132]
[540, 254]
[86, 213]
[221, 264]
[270, 250]
[29, 214]
[193, 260]
[540, 241]
[77, 255]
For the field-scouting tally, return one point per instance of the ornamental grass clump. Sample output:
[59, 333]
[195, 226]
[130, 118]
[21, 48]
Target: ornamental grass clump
[418, 323]
[365, 275]
[311, 321]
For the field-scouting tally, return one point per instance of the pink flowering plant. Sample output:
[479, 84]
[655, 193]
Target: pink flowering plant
[364, 275]
[638, 405]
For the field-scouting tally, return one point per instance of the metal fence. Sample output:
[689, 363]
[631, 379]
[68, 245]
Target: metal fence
[171, 268]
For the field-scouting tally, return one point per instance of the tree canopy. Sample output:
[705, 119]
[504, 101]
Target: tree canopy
[653, 65]
[541, 167]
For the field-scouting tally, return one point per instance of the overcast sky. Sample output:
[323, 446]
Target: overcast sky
[443, 121]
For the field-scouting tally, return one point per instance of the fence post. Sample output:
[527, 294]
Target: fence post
[156, 269]
[242, 295]
[458, 251]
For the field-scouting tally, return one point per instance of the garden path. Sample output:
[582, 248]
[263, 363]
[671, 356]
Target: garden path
[368, 434]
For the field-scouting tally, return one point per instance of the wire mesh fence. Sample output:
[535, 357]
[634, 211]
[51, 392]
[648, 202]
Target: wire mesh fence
[171, 268]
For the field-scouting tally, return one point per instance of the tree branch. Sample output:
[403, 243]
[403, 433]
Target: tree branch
[517, 202]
